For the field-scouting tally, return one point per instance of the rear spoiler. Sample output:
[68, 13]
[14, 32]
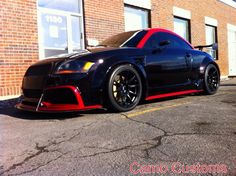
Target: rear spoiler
[214, 46]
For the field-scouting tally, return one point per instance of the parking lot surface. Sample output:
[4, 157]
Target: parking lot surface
[194, 130]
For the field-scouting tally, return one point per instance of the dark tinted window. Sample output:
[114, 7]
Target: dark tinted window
[134, 41]
[175, 41]
[125, 39]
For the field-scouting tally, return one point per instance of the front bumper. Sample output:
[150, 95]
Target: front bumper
[65, 98]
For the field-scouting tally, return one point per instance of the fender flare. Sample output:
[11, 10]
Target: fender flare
[109, 65]
[206, 61]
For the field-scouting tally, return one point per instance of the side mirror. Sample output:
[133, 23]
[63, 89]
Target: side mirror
[164, 43]
[215, 46]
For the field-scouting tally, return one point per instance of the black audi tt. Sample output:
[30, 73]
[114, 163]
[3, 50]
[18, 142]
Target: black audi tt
[119, 73]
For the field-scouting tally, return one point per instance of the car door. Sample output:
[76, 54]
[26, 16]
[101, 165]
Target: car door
[168, 66]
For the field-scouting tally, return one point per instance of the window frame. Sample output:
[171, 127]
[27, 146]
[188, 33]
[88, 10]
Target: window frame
[80, 3]
[172, 37]
[231, 3]
[68, 15]
[140, 8]
[216, 38]
[188, 28]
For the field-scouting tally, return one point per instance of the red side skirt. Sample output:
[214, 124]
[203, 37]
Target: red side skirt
[173, 94]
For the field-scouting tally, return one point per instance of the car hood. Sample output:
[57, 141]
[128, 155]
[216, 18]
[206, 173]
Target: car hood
[92, 55]
[109, 53]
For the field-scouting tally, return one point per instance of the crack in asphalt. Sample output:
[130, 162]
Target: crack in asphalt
[165, 135]
[158, 139]
[111, 150]
[44, 149]
[145, 123]
[153, 143]
[149, 144]
[40, 150]
[42, 165]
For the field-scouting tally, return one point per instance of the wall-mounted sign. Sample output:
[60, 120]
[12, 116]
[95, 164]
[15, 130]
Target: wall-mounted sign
[54, 30]
[54, 19]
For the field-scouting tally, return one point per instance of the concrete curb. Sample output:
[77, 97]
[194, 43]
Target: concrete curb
[3, 98]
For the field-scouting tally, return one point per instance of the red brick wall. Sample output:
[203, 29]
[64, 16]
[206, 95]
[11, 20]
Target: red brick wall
[103, 18]
[18, 42]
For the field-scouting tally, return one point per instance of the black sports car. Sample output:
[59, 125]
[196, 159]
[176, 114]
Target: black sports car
[119, 73]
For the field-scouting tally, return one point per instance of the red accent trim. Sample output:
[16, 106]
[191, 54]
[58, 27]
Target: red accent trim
[49, 107]
[67, 107]
[172, 94]
[155, 30]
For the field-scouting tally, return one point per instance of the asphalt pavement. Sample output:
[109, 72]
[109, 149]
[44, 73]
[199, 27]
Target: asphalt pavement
[185, 135]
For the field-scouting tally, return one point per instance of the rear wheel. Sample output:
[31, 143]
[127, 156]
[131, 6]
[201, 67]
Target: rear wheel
[124, 89]
[211, 79]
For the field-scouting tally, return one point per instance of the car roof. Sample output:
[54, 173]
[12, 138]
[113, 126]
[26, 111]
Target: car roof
[151, 31]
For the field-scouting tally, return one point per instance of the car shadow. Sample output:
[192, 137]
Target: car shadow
[7, 107]
[228, 85]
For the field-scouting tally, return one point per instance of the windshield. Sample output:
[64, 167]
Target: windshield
[125, 39]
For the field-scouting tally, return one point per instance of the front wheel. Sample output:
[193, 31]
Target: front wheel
[211, 79]
[124, 89]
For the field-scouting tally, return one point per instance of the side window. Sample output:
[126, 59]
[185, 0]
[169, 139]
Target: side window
[175, 41]
[178, 42]
[154, 40]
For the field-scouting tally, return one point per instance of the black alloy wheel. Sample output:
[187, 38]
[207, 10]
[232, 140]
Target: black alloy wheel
[124, 88]
[212, 79]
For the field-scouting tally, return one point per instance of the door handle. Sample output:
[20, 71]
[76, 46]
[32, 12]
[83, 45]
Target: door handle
[188, 55]
[189, 59]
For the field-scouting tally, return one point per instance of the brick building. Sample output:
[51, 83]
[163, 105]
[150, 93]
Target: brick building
[31, 30]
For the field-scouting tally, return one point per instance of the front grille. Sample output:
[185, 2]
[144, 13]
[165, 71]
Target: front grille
[32, 93]
[60, 96]
[39, 70]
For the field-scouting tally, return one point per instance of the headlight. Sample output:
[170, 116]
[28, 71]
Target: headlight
[74, 66]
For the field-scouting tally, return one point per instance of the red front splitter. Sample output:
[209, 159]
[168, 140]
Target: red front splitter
[50, 107]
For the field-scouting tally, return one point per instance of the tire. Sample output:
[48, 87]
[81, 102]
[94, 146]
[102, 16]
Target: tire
[124, 89]
[211, 79]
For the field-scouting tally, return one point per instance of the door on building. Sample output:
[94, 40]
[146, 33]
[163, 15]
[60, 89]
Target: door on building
[232, 51]
[60, 27]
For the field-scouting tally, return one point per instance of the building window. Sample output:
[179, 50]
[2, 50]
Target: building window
[69, 6]
[136, 18]
[182, 27]
[211, 37]
[60, 27]
[229, 2]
